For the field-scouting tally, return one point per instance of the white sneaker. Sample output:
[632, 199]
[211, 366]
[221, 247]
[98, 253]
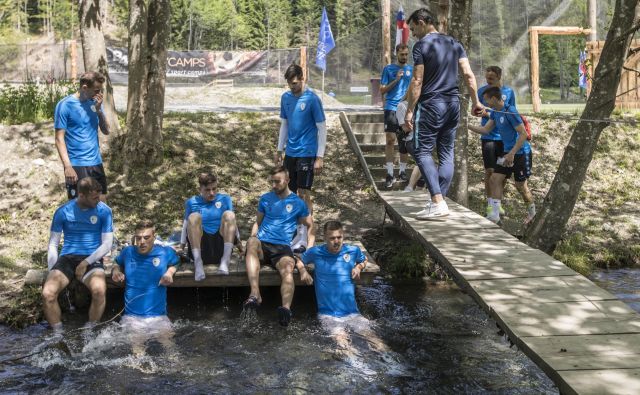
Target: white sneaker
[407, 189]
[434, 210]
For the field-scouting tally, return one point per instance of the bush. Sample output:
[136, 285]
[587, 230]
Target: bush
[32, 102]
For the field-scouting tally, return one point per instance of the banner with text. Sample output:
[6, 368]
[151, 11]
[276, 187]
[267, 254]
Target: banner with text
[202, 65]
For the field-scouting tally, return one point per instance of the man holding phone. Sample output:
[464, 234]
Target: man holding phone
[76, 121]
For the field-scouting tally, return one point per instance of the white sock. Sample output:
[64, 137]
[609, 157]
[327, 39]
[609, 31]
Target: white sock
[531, 210]
[496, 208]
[490, 202]
[403, 167]
[197, 263]
[389, 167]
[226, 257]
[57, 327]
[301, 237]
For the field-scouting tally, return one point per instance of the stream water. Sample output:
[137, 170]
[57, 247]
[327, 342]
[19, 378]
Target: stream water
[438, 341]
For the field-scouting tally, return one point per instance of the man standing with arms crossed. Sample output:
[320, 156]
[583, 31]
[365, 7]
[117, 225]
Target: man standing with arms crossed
[434, 88]
[394, 84]
[76, 121]
[303, 131]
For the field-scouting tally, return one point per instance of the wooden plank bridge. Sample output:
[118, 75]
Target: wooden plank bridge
[584, 338]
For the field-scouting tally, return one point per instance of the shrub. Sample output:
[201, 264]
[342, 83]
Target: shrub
[32, 102]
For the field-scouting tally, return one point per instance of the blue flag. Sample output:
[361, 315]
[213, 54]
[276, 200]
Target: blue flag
[325, 41]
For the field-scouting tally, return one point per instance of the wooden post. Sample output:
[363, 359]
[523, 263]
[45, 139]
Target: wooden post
[303, 61]
[443, 16]
[535, 75]
[74, 60]
[593, 24]
[385, 6]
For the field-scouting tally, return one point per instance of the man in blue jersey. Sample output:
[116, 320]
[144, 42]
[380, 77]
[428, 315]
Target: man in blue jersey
[87, 225]
[492, 142]
[303, 131]
[209, 226]
[76, 121]
[147, 269]
[279, 212]
[434, 88]
[393, 86]
[516, 155]
[336, 265]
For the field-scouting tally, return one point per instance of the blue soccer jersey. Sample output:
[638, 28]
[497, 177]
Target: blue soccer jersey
[508, 96]
[143, 296]
[439, 54]
[80, 122]
[281, 216]
[302, 113]
[395, 95]
[82, 228]
[211, 212]
[335, 291]
[506, 122]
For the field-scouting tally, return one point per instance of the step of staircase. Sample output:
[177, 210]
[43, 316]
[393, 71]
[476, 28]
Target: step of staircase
[379, 160]
[368, 128]
[366, 117]
[379, 172]
[371, 138]
[397, 186]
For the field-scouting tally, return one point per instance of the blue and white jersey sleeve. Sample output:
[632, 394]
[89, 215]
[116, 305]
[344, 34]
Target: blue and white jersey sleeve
[309, 256]
[318, 111]
[170, 256]
[283, 112]
[262, 204]
[228, 203]
[303, 210]
[58, 220]
[122, 259]
[106, 218]
[187, 209]
[360, 257]
[60, 116]
[384, 80]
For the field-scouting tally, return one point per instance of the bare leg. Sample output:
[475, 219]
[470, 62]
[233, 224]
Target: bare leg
[56, 282]
[523, 188]
[194, 232]
[415, 176]
[496, 182]
[287, 286]
[228, 230]
[389, 148]
[305, 194]
[98, 287]
[487, 182]
[252, 261]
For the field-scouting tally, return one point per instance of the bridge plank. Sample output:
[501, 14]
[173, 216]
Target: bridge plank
[543, 306]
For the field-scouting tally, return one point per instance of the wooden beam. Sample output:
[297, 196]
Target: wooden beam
[385, 6]
[74, 60]
[535, 74]
[559, 30]
[303, 61]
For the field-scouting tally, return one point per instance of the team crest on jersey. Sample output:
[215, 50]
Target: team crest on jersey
[218, 204]
[346, 257]
[93, 108]
[303, 106]
[504, 97]
[289, 207]
[156, 261]
[501, 119]
[93, 219]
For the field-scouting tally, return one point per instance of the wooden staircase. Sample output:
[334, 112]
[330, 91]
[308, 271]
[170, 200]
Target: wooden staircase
[366, 131]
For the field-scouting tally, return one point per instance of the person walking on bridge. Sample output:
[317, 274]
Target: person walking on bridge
[437, 58]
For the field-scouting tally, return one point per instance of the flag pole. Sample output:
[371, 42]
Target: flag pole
[322, 86]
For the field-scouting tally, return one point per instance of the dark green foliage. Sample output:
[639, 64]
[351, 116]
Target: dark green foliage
[31, 102]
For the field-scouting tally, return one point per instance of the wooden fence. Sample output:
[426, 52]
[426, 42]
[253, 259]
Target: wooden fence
[628, 95]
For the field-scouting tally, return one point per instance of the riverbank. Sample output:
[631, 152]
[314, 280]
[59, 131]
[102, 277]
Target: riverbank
[603, 230]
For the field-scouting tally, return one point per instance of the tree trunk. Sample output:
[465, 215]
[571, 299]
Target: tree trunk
[550, 222]
[95, 55]
[148, 39]
[460, 28]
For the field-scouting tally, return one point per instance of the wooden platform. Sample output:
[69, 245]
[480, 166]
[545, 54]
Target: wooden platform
[237, 277]
[583, 338]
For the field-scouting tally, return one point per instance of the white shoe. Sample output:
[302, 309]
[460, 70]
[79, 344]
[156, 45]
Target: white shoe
[434, 210]
[407, 189]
